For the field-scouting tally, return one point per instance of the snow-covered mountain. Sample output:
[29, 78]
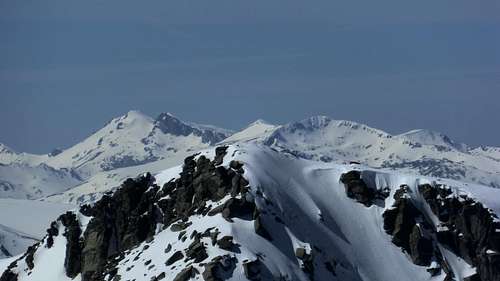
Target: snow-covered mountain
[251, 212]
[135, 139]
[420, 151]
[133, 143]
[255, 131]
[105, 158]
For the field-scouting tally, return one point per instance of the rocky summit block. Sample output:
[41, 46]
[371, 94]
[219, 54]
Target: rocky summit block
[124, 219]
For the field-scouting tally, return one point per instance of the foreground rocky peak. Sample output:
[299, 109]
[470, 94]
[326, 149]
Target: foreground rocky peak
[247, 212]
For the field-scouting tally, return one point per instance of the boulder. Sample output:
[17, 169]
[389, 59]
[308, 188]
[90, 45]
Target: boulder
[186, 274]
[357, 189]
[174, 258]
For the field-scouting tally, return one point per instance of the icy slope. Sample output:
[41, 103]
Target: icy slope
[420, 151]
[247, 212]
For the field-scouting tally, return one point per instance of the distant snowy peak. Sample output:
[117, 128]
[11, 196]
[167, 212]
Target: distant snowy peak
[135, 139]
[326, 123]
[169, 124]
[9, 155]
[6, 149]
[323, 132]
[257, 130]
[428, 137]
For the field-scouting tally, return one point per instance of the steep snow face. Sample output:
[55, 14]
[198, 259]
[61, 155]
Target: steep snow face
[291, 219]
[135, 139]
[419, 152]
[23, 181]
[256, 130]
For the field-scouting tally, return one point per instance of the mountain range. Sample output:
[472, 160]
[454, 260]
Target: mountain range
[134, 142]
[317, 199]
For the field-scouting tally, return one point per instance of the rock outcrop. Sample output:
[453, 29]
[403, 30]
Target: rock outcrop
[124, 219]
[467, 228]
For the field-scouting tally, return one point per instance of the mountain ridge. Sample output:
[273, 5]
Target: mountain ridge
[248, 212]
[135, 141]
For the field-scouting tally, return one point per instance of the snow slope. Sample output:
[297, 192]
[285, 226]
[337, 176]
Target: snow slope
[306, 226]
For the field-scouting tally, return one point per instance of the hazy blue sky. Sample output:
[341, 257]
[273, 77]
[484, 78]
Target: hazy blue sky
[67, 67]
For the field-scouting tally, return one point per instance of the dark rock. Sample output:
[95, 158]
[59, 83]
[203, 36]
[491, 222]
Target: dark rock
[220, 152]
[421, 248]
[252, 269]
[51, 233]
[174, 258]
[260, 229]
[226, 243]
[306, 259]
[8, 276]
[119, 222]
[72, 260]
[169, 247]
[235, 164]
[30, 256]
[161, 276]
[330, 266]
[471, 229]
[357, 189]
[238, 208]
[220, 268]
[301, 253]
[186, 274]
[196, 251]
[404, 222]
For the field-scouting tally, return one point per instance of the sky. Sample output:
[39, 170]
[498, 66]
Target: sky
[67, 67]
